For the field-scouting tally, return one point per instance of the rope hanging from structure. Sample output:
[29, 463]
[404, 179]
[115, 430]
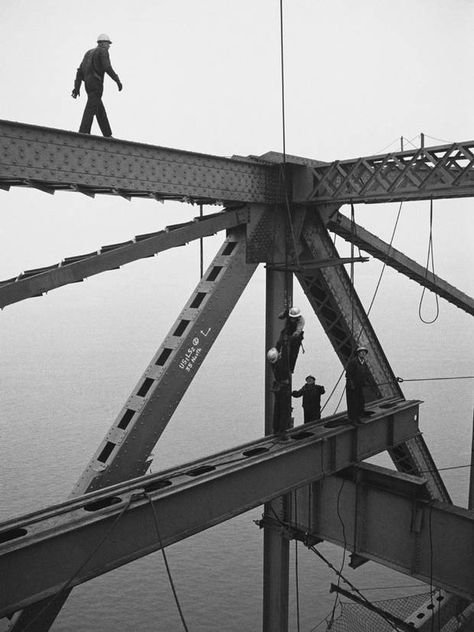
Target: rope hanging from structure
[67, 585]
[430, 256]
[165, 559]
[370, 306]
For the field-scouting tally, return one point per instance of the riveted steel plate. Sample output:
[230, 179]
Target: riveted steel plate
[40, 156]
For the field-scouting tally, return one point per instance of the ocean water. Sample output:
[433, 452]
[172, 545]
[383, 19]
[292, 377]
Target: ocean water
[69, 360]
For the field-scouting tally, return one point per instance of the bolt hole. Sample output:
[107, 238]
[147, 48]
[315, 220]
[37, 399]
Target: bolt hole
[152, 487]
[12, 534]
[301, 435]
[103, 503]
[201, 470]
[254, 451]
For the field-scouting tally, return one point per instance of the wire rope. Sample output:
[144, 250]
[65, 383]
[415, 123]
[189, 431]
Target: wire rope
[165, 559]
[429, 256]
[65, 587]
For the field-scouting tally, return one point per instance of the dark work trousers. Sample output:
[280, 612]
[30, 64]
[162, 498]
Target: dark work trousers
[95, 107]
[355, 402]
[282, 409]
[311, 415]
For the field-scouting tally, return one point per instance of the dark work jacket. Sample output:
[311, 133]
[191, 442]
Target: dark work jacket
[311, 394]
[356, 373]
[95, 64]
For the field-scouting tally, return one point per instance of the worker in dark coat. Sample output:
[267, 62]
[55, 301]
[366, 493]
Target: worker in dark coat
[281, 389]
[356, 379]
[292, 332]
[95, 64]
[311, 394]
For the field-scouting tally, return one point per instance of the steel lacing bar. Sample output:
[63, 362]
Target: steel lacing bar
[324, 180]
[347, 177]
[438, 167]
[404, 169]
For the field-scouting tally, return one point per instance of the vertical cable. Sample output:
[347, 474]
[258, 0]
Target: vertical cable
[201, 247]
[429, 256]
[282, 65]
[352, 267]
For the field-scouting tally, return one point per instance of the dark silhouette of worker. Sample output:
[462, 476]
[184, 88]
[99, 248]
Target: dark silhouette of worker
[311, 394]
[95, 64]
[293, 332]
[356, 379]
[281, 388]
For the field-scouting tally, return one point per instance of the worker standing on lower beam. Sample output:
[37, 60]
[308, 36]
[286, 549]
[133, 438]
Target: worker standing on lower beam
[356, 379]
[293, 331]
[281, 389]
[95, 64]
[311, 394]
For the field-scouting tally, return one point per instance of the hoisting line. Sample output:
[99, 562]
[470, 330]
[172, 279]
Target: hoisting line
[165, 559]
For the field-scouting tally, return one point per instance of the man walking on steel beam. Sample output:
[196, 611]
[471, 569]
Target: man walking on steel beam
[95, 64]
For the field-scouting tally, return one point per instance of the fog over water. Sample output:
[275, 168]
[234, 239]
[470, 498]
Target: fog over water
[201, 77]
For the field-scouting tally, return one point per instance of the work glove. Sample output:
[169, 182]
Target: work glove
[75, 93]
[119, 86]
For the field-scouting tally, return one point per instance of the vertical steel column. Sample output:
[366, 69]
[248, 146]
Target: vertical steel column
[276, 551]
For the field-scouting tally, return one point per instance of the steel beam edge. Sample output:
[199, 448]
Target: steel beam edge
[45, 551]
[389, 517]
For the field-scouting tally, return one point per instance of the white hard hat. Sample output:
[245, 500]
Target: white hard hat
[294, 312]
[273, 355]
[362, 349]
[103, 37]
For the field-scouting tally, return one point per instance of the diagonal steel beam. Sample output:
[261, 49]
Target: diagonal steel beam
[42, 552]
[335, 302]
[362, 238]
[124, 452]
[74, 269]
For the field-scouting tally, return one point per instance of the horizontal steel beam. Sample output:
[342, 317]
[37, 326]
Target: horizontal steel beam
[362, 238]
[52, 159]
[388, 517]
[444, 171]
[60, 547]
[74, 269]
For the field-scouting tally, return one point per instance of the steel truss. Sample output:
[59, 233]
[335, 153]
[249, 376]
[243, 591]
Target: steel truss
[52, 160]
[434, 172]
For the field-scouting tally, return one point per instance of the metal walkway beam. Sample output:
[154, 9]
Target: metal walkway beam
[55, 549]
[74, 269]
[362, 238]
[388, 517]
[57, 160]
